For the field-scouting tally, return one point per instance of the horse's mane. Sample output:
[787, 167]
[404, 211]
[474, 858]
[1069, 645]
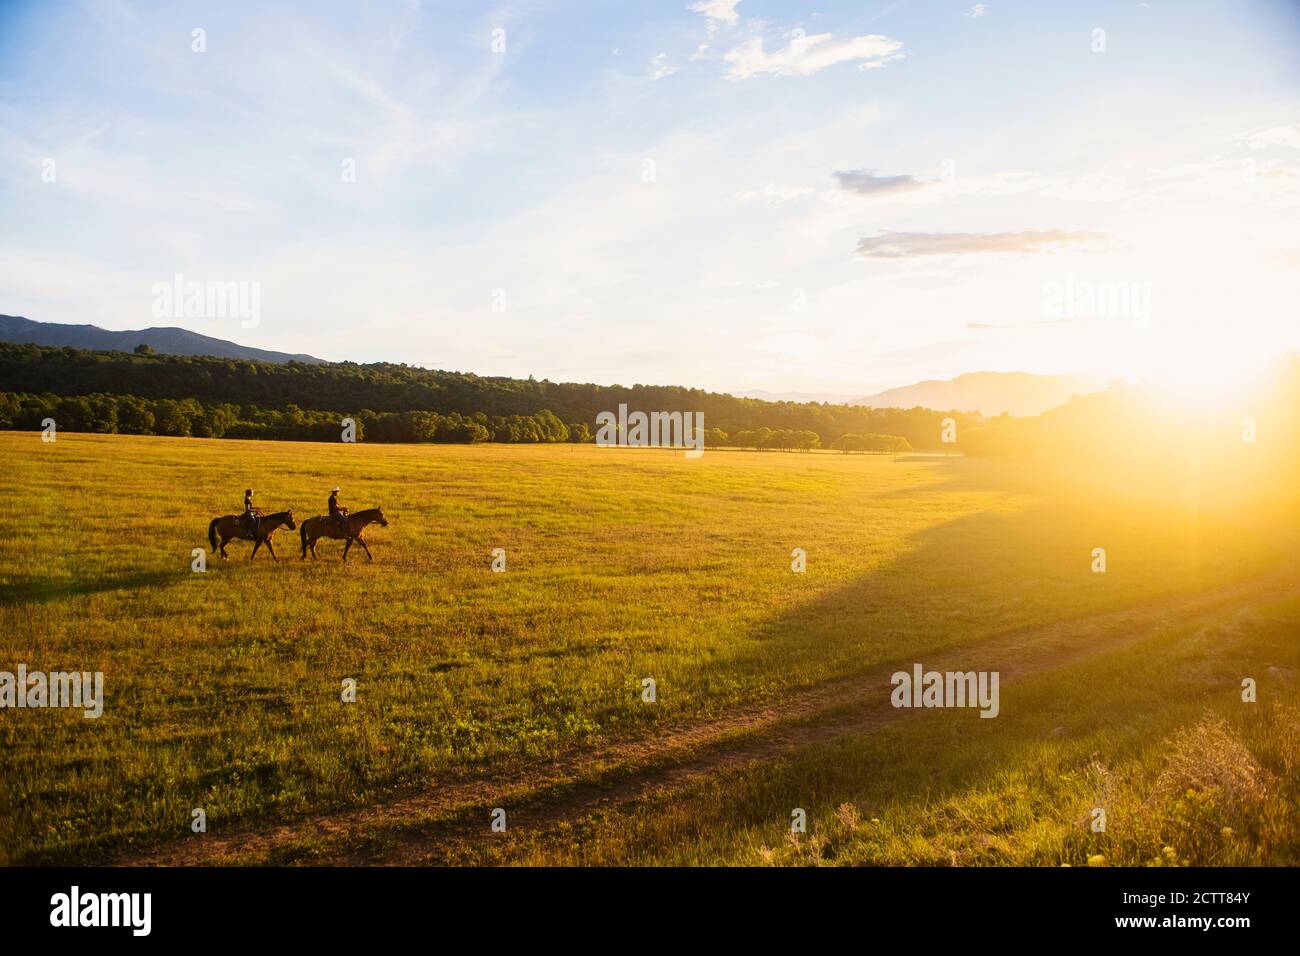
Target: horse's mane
[367, 511]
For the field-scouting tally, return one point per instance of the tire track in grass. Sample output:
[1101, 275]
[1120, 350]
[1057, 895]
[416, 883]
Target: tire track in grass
[426, 826]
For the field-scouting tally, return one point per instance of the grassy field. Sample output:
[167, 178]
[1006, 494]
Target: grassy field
[223, 688]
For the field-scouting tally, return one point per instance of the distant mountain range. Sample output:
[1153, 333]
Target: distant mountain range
[989, 393]
[166, 341]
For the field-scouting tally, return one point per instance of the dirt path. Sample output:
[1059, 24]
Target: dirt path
[423, 828]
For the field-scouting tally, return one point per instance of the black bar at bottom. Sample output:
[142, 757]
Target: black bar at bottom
[369, 905]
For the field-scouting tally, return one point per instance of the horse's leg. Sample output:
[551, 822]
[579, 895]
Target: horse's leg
[224, 539]
[256, 544]
[270, 547]
[362, 541]
[345, 549]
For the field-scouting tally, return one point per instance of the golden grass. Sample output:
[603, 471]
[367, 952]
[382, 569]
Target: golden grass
[223, 688]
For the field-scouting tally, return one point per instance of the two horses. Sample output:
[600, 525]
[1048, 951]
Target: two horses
[228, 527]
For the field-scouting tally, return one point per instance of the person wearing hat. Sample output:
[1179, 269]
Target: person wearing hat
[250, 513]
[337, 513]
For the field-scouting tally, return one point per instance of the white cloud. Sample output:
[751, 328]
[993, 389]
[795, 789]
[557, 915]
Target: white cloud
[660, 67]
[1243, 180]
[976, 11]
[907, 245]
[776, 195]
[808, 54]
[1275, 136]
[1102, 186]
[717, 12]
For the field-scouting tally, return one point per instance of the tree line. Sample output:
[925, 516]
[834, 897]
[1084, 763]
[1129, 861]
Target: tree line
[185, 418]
[872, 444]
[295, 399]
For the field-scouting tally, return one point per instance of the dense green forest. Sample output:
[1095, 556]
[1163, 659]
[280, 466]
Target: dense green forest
[217, 397]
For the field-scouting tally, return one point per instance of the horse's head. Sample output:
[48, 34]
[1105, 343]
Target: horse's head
[288, 520]
[379, 516]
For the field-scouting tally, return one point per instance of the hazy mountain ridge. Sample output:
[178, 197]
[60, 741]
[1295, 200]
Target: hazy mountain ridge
[763, 395]
[166, 341]
[988, 393]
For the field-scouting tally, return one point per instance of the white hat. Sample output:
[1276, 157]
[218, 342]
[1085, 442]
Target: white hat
[334, 491]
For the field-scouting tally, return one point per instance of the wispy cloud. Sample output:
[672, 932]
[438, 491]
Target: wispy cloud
[660, 67]
[776, 195]
[976, 11]
[717, 12]
[908, 245]
[808, 54]
[1273, 136]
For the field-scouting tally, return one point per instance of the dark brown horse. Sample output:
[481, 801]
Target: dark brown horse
[325, 526]
[232, 526]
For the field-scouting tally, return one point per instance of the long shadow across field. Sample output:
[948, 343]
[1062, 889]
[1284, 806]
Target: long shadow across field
[1013, 566]
[1035, 615]
[962, 586]
[42, 590]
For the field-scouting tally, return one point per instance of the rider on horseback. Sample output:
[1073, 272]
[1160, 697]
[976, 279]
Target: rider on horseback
[338, 514]
[250, 513]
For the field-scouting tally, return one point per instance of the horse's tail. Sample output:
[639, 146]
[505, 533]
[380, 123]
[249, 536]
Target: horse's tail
[212, 534]
[302, 533]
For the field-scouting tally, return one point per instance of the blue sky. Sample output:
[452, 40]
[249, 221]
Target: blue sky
[816, 197]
